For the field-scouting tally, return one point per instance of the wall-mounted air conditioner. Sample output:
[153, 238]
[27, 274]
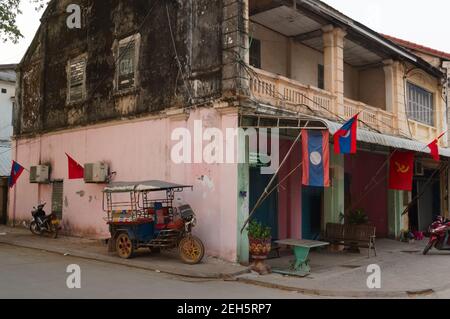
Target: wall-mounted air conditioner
[96, 172]
[40, 174]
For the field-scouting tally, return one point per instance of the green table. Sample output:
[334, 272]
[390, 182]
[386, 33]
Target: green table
[300, 267]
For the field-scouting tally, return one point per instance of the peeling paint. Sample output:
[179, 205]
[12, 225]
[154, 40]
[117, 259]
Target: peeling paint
[43, 81]
[80, 193]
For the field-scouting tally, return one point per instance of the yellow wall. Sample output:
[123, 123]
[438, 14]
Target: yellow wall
[273, 49]
[372, 88]
[305, 64]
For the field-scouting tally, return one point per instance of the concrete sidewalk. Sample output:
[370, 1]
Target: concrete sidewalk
[405, 273]
[166, 262]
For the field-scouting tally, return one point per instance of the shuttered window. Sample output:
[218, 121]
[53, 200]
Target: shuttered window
[420, 104]
[57, 198]
[77, 79]
[128, 53]
[320, 77]
[255, 53]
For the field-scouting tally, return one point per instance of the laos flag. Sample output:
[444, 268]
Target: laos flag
[16, 171]
[345, 138]
[316, 158]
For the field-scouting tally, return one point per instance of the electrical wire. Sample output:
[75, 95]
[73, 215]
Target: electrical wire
[188, 89]
[121, 55]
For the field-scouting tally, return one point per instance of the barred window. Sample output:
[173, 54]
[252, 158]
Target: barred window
[77, 79]
[420, 104]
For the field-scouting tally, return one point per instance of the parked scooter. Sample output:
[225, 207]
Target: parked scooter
[439, 235]
[42, 224]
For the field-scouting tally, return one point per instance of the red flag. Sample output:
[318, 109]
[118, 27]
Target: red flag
[401, 171]
[76, 171]
[434, 148]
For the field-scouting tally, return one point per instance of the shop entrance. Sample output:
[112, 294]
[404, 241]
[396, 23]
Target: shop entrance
[428, 206]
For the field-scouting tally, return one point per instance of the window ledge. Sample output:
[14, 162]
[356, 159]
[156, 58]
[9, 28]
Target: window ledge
[76, 103]
[122, 93]
[422, 124]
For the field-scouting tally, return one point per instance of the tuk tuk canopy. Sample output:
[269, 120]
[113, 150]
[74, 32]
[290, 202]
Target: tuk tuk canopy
[144, 186]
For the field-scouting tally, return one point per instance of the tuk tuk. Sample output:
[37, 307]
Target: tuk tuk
[143, 215]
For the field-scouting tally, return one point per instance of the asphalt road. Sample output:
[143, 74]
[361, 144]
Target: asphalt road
[28, 273]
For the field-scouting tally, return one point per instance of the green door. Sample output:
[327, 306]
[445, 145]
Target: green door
[267, 213]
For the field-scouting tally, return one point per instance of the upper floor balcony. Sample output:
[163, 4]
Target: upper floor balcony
[301, 62]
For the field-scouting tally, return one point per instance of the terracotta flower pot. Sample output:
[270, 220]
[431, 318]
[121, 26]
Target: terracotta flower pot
[260, 248]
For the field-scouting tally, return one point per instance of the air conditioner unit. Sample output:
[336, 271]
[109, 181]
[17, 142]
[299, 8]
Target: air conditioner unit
[40, 174]
[96, 172]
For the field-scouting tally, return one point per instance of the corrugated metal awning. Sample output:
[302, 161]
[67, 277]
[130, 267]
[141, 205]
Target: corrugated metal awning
[388, 140]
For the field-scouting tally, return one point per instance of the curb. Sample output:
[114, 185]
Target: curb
[328, 293]
[348, 294]
[113, 260]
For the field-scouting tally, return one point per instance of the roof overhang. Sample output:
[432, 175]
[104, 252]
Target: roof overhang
[303, 20]
[388, 140]
[264, 116]
[351, 25]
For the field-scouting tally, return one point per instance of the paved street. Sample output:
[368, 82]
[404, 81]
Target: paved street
[29, 273]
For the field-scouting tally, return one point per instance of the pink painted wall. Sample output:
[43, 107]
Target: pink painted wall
[289, 193]
[362, 167]
[136, 150]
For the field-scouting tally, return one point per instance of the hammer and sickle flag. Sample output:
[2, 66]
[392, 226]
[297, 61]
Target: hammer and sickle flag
[401, 171]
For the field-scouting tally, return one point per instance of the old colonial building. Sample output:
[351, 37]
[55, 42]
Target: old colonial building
[114, 90]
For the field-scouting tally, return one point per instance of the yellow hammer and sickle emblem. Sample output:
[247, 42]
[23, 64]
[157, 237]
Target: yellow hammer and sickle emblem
[402, 168]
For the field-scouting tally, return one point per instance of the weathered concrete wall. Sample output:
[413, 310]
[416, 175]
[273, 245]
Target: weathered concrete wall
[43, 81]
[136, 150]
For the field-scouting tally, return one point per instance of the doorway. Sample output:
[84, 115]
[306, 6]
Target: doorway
[267, 212]
[3, 201]
[428, 206]
[312, 212]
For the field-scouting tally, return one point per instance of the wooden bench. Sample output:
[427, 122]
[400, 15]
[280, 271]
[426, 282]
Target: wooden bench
[361, 236]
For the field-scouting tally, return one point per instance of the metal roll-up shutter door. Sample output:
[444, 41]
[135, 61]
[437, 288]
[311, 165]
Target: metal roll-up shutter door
[57, 198]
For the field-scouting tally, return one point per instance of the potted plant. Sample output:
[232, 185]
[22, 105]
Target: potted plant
[355, 217]
[260, 242]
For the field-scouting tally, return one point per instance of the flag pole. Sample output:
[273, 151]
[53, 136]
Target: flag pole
[266, 190]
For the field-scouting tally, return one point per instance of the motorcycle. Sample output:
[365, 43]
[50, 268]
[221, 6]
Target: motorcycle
[439, 232]
[42, 224]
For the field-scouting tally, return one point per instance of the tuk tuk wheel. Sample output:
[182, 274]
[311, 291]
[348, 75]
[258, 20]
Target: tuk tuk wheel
[124, 246]
[191, 250]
